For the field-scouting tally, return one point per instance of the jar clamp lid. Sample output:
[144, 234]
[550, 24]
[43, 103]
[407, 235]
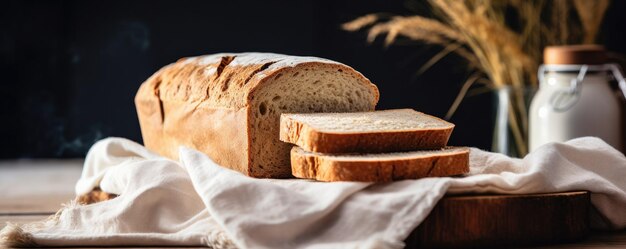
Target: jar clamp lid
[579, 58]
[575, 54]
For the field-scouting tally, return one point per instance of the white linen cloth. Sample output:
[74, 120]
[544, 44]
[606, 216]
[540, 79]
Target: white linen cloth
[197, 202]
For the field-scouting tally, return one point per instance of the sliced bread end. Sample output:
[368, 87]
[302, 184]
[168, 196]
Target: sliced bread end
[365, 132]
[385, 167]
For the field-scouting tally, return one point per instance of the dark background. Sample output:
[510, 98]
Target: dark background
[70, 69]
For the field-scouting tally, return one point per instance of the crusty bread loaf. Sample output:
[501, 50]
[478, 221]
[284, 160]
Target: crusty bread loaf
[368, 132]
[384, 167]
[228, 105]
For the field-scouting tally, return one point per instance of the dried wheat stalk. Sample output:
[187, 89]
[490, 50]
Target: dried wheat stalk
[477, 30]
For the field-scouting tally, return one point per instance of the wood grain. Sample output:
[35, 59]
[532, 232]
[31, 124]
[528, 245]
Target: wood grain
[616, 239]
[20, 219]
[504, 220]
[37, 186]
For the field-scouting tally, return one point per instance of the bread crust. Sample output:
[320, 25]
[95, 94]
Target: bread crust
[310, 139]
[329, 169]
[286, 169]
[204, 103]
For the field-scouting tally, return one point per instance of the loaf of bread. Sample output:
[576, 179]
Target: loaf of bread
[379, 167]
[378, 131]
[229, 105]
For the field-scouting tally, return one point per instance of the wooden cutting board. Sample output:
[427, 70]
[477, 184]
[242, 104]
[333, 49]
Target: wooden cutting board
[472, 221]
[504, 220]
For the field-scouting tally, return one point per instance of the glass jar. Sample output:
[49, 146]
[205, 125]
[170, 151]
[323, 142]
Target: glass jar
[510, 132]
[575, 99]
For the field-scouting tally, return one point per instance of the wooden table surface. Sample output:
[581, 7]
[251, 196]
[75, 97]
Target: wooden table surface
[34, 189]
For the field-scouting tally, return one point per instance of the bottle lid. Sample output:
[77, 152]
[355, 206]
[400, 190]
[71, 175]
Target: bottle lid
[575, 54]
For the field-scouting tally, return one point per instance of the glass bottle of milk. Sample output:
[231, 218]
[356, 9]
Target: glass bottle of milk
[575, 99]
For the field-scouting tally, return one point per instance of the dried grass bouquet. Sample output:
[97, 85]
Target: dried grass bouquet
[502, 41]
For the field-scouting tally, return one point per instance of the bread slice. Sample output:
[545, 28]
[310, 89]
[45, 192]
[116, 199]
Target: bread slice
[366, 132]
[228, 105]
[385, 167]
